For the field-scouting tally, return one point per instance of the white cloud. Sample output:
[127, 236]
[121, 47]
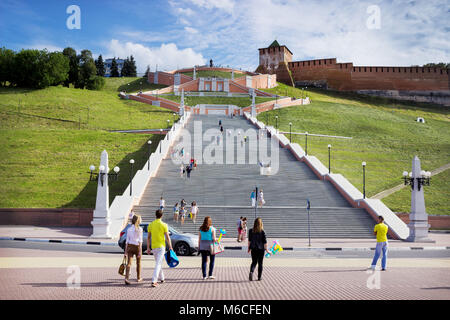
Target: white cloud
[191, 30]
[226, 5]
[167, 56]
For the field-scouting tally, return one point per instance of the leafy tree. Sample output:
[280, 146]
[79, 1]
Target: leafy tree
[55, 69]
[96, 83]
[441, 65]
[26, 66]
[100, 66]
[73, 64]
[87, 68]
[40, 69]
[114, 69]
[7, 57]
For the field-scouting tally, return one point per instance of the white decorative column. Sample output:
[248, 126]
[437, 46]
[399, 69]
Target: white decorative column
[102, 221]
[232, 74]
[195, 74]
[418, 217]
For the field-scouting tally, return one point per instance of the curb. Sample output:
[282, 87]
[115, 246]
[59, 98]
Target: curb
[61, 241]
[236, 248]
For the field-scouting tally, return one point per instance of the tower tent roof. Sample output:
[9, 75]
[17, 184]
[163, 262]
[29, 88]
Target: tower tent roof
[274, 44]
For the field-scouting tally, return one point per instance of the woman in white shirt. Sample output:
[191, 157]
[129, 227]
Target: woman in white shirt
[261, 198]
[194, 211]
[133, 247]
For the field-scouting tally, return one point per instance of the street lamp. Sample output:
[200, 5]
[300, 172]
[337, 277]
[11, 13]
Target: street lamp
[101, 173]
[364, 179]
[276, 125]
[423, 180]
[306, 143]
[149, 153]
[290, 131]
[329, 158]
[131, 177]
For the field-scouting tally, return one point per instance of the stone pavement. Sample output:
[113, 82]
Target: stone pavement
[47, 278]
[442, 240]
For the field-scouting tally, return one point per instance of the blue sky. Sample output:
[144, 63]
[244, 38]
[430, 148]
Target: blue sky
[178, 33]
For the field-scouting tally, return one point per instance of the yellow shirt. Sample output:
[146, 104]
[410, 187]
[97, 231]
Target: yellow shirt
[157, 229]
[381, 229]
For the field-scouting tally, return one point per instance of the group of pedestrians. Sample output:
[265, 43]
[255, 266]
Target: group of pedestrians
[185, 171]
[158, 237]
[180, 211]
[260, 198]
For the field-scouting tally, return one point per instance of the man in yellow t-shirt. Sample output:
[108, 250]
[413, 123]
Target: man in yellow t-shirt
[380, 231]
[158, 234]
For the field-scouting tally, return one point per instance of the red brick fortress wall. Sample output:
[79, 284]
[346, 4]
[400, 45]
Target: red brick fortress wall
[346, 77]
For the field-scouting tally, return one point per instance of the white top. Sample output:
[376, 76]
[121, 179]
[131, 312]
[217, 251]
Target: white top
[162, 203]
[194, 209]
[134, 236]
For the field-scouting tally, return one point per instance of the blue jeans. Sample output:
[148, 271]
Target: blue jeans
[381, 247]
[212, 257]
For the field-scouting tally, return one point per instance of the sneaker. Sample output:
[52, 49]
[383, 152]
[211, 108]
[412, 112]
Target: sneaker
[205, 278]
[140, 280]
[250, 276]
[162, 281]
[383, 269]
[211, 277]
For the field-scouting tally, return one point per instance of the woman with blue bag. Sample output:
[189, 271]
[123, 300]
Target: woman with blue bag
[206, 240]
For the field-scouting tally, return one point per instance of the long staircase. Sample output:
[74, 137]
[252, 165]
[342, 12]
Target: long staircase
[222, 191]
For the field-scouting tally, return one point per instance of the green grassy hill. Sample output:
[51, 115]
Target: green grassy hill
[50, 137]
[385, 136]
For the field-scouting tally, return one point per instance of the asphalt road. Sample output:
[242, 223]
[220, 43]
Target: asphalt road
[42, 247]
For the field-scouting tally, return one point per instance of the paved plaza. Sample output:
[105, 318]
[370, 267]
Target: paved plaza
[39, 274]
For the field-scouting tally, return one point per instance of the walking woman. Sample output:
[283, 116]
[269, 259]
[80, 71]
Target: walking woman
[261, 198]
[194, 211]
[133, 247]
[206, 239]
[176, 212]
[257, 246]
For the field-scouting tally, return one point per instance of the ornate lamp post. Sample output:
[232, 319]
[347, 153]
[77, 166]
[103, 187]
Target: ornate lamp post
[306, 143]
[364, 179]
[329, 158]
[131, 177]
[290, 131]
[101, 173]
[418, 217]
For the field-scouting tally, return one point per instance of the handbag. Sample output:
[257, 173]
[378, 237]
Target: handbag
[171, 259]
[123, 266]
[218, 248]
